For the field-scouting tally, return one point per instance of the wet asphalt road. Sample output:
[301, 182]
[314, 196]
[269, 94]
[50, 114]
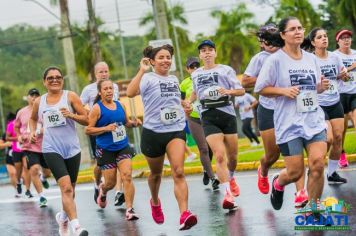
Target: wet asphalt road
[255, 215]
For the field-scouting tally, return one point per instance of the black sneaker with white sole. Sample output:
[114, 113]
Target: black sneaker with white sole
[335, 178]
[205, 178]
[28, 194]
[119, 198]
[215, 184]
[276, 196]
[96, 194]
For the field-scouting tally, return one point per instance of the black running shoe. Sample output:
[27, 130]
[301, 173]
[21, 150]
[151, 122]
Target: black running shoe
[96, 194]
[205, 178]
[45, 183]
[119, 199]
[215, 184]
[28, 194]
[335, 178]
[19, 189]
[276, 196]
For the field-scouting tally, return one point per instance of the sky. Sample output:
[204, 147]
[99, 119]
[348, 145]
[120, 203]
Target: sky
[197, 12]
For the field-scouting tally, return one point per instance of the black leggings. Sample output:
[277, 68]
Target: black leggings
[247, 130]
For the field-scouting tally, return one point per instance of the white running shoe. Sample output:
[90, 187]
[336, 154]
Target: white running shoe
[79, 231]
[191, 157]
[63, 225]
[166, 162]
[254, 144]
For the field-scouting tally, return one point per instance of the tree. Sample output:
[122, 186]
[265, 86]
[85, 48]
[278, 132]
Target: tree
[233, 35]
[347, 12]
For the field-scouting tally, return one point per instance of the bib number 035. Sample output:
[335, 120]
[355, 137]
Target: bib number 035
[170, 115]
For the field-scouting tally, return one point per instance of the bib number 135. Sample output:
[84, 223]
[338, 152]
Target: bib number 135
[306, 101]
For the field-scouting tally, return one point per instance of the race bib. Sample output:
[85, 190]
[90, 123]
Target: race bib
[119, 133]
[352, 79]
[306, 101]
[53, 118]
[333, 88]
[170, 115]
[212, 93]
[196, 106]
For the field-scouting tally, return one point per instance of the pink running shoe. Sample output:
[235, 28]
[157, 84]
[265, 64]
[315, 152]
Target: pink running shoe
[262, 182]
[234, 187]
[63, 225]
[229, 201]
[187, 220]
[301, 199]
[101, 200]
[157, 213]
[343, 163]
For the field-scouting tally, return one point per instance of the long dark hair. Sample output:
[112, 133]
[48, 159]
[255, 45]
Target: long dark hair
[307, 43]
[151, 52]
[100, 82]
[264, 33]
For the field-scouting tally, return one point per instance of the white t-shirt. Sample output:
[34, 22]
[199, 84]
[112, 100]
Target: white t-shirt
[349, 86]
[300, 117]
[219, 76]
[161, 99]
[330, 67]
[244, 102]
[90, 92]
[253, 69]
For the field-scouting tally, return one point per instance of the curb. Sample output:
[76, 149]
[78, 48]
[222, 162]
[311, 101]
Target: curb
[244, 166]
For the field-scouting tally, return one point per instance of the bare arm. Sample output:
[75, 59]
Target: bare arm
[79, 115]
[232, 92]
[248, 81]
[291, 92]
[133, 89]
[33, 119]
[94, 116]
[131, 122]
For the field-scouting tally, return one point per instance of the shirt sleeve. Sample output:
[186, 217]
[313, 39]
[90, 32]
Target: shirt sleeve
[116, 91]
[144, 84]
[250, 98]
[252, 67]
[268, 75]
[84, 96]
[232, 79]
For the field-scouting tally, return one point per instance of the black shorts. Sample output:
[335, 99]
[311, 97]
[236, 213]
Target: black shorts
[348, 102]
[17, 156]
[109, 159]
[9, 160]
[215, 121]
[265, 118]
[61, 167]
[154, 144]
[34, 158]
[333, 112]
[93, 145]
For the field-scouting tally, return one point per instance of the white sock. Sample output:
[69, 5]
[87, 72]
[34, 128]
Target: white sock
[64, 216]
[231, 174]
[332, 166]
[226, 187]
[74, 224]
[41, 194]
[42, 178]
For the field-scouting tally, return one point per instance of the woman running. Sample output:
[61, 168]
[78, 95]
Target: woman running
[107, 121]
[265, 111]
[163, 128]
[348, 88]
[333, 69]
[59, 110]
[195, 126]
[215, 85]
[293, 77]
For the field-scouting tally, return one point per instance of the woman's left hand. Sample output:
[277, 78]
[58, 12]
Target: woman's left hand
[224, 91]
[66, 113]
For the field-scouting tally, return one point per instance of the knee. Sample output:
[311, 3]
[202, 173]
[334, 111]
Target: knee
[178, 173]
[68, 189]
[272, 157]
[35, 170]
[220, 157]
[295, 174]
[337, 139]
[317, 168]
[109, 184]
[155, 176]
[126, 176]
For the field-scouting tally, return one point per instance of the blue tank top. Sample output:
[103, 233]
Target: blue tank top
[115, 140]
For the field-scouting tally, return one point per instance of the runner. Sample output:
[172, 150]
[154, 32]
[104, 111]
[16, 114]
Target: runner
[332, 68]
[214, 85]
[293, 77]
[107, 121]
[348, 88]
[265, 112]
[89, 93]
[19, 159]
[33, 151]
[245, 104]
[58, 110]
[163, 128]
[195, 127]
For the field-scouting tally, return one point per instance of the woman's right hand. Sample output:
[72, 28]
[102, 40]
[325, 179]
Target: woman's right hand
[110, 127]
[33, 137]
[145, 64]
[291, 92]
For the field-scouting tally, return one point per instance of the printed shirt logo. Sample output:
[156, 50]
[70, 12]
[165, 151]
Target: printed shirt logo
[306, 79]
[169, 89]
[207, 80]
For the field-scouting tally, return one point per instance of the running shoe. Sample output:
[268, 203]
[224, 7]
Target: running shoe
[166, 162]
[254, 144]
[28, 194]
[43, 202]
[45, 183]
[335, 178]
[229, 201]
[157, 213]
[215, 184]
[19, 188]
[276, 196]
[262, 182]
[79, 231]
[119, 199]
[63, 225]
[187, 220]
[131, 215]
[96, 193]
[205, 178]
[234, 187]
[343, 163]
[191, 157]
[301, 199]
[101, 200]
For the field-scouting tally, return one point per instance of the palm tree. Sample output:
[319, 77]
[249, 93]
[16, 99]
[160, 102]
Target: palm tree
[347, 11]
[237, 46]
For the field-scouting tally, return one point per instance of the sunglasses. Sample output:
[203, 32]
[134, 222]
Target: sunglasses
[194, 66]
[52, 78]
